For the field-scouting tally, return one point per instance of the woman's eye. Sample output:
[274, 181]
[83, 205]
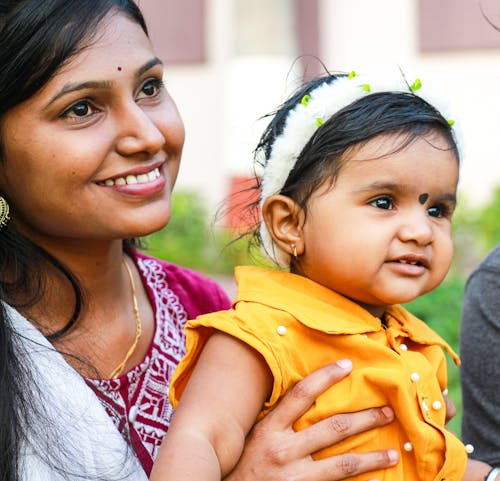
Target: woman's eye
[383, 203]
[80, 110]
[151, 88]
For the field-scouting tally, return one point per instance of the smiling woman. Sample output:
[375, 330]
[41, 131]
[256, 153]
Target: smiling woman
[112, 125]
[91, 329]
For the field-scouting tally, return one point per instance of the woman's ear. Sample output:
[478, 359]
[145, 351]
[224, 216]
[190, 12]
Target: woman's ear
[284, 220]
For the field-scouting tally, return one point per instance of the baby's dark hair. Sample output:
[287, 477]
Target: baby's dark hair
[402, 113]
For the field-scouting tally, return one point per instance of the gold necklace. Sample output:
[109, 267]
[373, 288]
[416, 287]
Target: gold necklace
[138, 325]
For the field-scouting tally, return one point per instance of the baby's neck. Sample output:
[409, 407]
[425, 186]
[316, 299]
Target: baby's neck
[377, 311]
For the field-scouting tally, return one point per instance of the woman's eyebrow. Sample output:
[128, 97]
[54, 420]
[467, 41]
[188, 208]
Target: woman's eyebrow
[150, 64]
[100, 84]
[75, 86]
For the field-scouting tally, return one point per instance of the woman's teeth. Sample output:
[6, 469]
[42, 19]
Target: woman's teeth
[134, 179]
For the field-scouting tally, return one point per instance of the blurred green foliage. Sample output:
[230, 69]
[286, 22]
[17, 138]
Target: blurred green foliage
[477, 229]
[193, 240]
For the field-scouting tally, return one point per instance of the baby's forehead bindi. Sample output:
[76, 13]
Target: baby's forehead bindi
[422, 198]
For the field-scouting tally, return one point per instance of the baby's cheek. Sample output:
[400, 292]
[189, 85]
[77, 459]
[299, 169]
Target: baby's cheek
[443, 256]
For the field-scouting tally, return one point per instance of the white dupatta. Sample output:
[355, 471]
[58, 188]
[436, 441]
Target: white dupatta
[90, 445]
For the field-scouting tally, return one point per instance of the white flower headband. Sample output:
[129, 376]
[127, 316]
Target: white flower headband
[314, 109]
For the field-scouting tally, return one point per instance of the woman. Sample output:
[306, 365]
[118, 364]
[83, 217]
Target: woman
[91, 329]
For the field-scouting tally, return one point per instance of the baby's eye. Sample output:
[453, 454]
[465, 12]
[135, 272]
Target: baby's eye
[385, 203]
[80, 110]
[439, 211]
[151, 88]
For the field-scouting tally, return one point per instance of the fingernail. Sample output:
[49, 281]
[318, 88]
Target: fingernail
[344, 364]
[387, 412]
[393, 456]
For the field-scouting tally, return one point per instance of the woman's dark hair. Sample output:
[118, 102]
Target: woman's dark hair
[401, 113]
[37, 39]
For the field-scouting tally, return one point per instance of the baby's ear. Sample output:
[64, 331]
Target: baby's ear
[284, 220]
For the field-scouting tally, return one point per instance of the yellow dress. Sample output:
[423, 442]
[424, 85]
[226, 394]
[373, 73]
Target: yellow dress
[299, 326]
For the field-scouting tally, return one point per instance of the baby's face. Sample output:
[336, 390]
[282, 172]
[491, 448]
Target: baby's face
[382, 234]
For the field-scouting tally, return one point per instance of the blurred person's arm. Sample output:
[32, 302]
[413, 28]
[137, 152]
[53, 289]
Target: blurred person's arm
[480, 354]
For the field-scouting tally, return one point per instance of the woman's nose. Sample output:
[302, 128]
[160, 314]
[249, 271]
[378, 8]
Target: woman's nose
[137, 132]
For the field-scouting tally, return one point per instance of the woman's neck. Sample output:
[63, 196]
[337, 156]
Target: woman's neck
[98, 271]
[106, 325]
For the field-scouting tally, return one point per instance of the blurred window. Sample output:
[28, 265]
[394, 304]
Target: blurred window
[177, 29]
[458, 24]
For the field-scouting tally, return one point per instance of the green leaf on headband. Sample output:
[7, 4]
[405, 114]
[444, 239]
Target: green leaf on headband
[366, 87]
[305, 100]
[416, 85]
[352, 74]
[319, 122]
[451, 122]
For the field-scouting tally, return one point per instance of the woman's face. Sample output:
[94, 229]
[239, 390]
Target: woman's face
[94, 155]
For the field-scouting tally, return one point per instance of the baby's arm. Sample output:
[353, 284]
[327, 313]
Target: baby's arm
[219, 406]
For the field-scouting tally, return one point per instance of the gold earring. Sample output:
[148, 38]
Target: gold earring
[4, 212]
[294, 250]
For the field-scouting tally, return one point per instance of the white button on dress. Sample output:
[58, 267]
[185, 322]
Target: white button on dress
[437, 405]
[408, 446]
[281, 330]
[414, 376]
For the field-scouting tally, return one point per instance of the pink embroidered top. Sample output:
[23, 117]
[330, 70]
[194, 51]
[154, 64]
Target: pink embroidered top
[137, 401]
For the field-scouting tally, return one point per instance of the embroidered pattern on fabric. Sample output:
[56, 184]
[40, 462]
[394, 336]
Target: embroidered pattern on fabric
[146, 385]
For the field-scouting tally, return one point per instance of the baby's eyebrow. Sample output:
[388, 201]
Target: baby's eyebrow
[399, 189]
[381, 185]
[448, 197]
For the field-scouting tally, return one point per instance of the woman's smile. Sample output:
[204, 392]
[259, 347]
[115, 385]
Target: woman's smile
[139, 185]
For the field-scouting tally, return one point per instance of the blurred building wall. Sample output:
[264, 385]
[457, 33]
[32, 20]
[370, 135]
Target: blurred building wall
[229, 62]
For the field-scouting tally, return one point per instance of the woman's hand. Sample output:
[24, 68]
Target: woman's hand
[274, 451]
[451, 410]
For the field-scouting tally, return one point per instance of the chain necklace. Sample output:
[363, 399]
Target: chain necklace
[138, 326]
